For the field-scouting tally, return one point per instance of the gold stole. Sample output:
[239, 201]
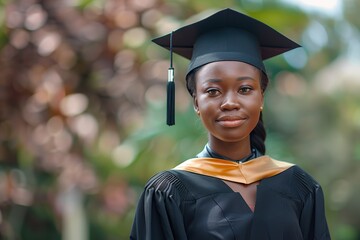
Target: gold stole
[246, 173]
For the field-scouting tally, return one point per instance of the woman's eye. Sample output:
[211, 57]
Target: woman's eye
[212, 91]
[245, 89]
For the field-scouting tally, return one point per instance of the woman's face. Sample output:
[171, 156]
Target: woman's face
[228, 99]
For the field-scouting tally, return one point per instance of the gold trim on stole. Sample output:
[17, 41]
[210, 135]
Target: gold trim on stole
[246, 173]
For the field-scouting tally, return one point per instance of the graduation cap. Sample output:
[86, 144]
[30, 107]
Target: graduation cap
[227, 35]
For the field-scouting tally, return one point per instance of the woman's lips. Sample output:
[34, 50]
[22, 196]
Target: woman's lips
[230, 121]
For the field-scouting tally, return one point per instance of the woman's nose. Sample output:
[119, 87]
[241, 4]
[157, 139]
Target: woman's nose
[230, 102]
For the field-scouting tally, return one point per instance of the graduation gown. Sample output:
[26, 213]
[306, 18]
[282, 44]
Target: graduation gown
[189, 202]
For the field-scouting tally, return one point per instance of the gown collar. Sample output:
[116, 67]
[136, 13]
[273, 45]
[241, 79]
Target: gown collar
[207, 152]
[245, 172]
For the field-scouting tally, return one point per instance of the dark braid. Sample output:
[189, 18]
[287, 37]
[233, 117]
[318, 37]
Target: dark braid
[258, 134]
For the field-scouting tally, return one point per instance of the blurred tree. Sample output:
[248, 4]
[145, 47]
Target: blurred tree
[82, 122]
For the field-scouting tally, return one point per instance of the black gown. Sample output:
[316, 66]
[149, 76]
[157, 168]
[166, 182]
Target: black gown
[177, 204]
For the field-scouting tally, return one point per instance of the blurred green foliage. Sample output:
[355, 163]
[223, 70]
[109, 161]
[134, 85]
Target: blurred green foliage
[82, 114]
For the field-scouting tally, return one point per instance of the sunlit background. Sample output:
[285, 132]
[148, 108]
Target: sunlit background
[82, 108]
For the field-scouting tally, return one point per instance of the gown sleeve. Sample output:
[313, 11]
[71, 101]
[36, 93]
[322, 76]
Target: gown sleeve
[313, 220]
[158, 215]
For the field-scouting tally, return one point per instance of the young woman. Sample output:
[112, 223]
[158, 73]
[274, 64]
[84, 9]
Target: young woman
[231, 190]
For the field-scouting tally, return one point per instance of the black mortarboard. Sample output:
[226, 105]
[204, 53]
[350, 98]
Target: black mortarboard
[227, 35]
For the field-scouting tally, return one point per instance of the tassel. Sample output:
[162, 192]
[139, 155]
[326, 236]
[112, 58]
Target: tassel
[171, 98]
[170, 120]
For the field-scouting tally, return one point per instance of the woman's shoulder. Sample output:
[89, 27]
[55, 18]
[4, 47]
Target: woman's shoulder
[188, 185]
[300, 176]
[169, 183]
[297, 173]
[296, 180]
[163, 180]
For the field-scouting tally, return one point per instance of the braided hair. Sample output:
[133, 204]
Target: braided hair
[258, 134]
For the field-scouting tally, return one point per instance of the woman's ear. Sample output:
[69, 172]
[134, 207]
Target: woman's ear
[195, 104]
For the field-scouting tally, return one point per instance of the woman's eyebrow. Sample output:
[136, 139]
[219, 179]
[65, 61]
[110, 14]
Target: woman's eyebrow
[216, 80]
[245, 78]
[213, 80]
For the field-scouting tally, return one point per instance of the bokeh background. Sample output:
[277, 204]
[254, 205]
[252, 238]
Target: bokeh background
[82, 108]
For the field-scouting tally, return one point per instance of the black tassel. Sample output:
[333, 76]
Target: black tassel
[170, 120]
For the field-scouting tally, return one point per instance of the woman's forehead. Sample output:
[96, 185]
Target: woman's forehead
[228, 67]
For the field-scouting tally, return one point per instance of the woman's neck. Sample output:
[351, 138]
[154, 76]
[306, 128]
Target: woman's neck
[231, 150]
